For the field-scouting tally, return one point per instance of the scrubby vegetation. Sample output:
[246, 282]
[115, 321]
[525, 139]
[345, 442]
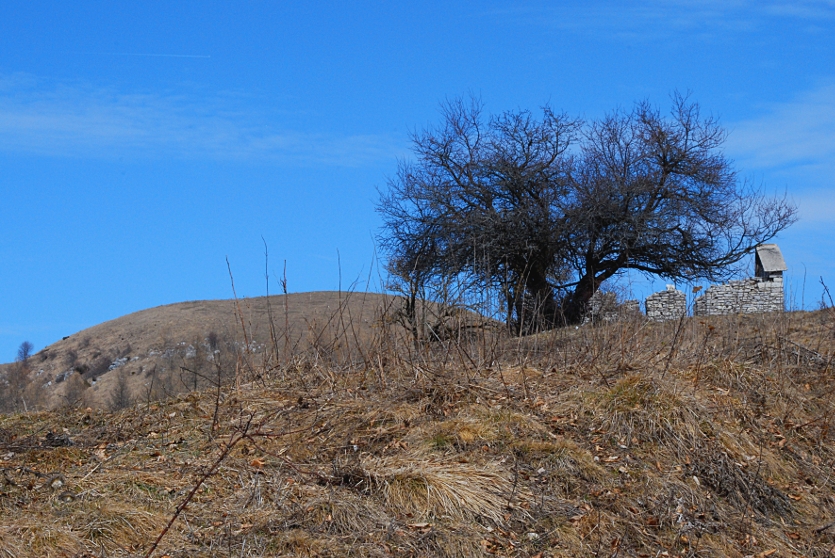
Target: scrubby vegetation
[703, 437]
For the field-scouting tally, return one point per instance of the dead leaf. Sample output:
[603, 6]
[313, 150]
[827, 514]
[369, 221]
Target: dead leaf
[422, 527]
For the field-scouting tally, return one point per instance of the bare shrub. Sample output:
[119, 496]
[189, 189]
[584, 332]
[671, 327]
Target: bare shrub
[13, 398]
[213, 341]
[121, 395]
[70, 358]
[74, 390]
[99, 366]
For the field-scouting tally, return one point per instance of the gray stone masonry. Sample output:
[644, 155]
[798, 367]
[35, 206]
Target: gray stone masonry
[747, 296]
[604, 307]
[666, 305]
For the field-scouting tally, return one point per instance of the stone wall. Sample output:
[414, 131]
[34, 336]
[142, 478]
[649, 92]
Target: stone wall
[666, 305]
[747, 296]
[604, 307]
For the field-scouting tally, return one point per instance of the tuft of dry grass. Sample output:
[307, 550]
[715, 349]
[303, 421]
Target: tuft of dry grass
[429, 488]
[641, 409]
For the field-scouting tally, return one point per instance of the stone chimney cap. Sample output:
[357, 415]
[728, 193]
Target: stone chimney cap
[770, 258]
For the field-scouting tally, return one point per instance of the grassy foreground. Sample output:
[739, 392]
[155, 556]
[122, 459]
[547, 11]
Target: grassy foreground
[705, 437]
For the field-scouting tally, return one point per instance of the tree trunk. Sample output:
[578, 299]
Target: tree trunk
[546, 310]
[575, 305]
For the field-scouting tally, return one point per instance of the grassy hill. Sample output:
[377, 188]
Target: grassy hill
[705, 437]
[149, 350]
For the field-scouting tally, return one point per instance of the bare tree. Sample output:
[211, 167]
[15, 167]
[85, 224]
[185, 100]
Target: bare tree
[16, 393]
[544, 210]
[24, 352]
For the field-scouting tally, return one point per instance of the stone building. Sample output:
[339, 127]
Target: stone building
[666, 305]
[762, 293]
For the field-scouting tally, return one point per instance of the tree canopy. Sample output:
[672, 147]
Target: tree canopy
[543, 210]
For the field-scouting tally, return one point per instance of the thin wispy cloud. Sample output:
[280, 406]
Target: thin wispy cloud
[798, 132]
[84, 121]
[155, 55]
[817, 207]
[654, 19]
[811, 10]
[794, 139]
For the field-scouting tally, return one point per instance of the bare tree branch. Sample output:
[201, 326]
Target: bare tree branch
[544, 210]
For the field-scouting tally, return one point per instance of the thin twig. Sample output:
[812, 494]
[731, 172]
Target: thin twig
[242, 434]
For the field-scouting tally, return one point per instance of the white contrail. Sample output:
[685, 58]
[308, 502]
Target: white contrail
[156, 55]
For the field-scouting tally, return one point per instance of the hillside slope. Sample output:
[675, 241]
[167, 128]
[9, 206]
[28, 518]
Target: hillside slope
[705, 437]
[168, 338]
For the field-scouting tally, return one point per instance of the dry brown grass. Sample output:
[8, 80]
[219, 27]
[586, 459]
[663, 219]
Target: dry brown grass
[709, 437]
[162, 346]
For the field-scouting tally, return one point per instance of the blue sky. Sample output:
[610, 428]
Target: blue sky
[143, 143]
